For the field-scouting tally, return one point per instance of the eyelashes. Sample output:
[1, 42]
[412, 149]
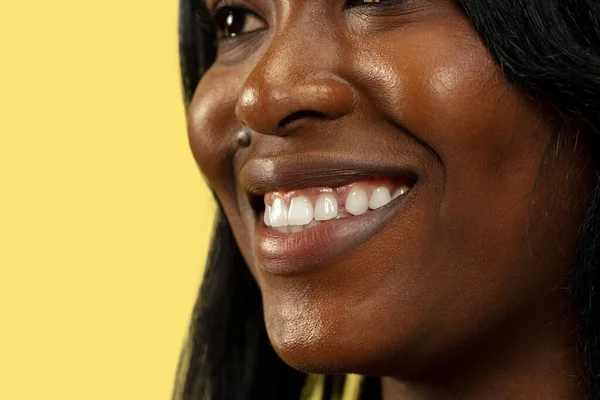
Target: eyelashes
[232, 20]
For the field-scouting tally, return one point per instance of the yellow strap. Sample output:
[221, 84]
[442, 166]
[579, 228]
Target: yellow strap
[352, 387]
[313, 389]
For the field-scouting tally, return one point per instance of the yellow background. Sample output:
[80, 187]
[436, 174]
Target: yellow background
[104, 218]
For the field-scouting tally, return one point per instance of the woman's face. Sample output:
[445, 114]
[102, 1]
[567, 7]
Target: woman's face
[345, 103]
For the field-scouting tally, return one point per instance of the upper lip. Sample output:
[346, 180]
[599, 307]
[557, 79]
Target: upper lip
[259, 176]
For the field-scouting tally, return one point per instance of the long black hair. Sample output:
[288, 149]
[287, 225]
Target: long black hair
[549, 49]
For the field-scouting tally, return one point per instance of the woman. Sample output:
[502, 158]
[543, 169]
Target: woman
[408, 191]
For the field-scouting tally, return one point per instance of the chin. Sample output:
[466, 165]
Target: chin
[313, 340]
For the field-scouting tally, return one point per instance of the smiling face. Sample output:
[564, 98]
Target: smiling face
[349, 105]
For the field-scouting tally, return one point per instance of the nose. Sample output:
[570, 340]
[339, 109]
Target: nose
[287, 89]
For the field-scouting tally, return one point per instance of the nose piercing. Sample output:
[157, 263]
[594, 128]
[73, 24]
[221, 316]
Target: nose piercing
[243, 138]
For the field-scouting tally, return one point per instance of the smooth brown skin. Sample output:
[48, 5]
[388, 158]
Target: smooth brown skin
[461, 295]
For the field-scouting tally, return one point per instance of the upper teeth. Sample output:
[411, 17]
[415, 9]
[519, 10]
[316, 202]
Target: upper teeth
[301, 211]
[279, 213]
[326, 207]
[359, 198]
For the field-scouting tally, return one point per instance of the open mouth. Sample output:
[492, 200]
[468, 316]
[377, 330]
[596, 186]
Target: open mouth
[294, 211]
[310, 210]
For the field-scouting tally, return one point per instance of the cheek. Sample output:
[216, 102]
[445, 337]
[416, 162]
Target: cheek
[451, 96]
[491, 245]
[212, 128]
[211, 131]
[208, 129]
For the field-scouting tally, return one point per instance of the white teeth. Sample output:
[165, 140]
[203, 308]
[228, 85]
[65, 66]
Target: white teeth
[267, 217]
[326, 208]
[357, 202]
[380, 197]
[400, 191]
[302, 215]
[301, 211]
[278, 213]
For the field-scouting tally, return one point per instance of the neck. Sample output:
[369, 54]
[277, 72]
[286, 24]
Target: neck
[533, 360]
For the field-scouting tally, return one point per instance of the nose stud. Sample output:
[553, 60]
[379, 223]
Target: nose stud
[243, 138]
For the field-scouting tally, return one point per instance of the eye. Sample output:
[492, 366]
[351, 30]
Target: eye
[234, 21]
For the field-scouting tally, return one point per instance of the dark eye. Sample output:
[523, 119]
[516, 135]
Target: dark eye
[234, 21]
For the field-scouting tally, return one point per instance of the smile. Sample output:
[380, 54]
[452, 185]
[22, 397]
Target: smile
[297, 210]
[334, 207]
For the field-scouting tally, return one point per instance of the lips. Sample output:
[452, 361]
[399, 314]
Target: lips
[281, 251]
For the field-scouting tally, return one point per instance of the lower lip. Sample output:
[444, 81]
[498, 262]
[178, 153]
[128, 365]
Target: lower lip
[293, 253]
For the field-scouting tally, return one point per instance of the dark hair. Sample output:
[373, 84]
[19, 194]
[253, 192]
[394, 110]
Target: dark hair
[550, 50]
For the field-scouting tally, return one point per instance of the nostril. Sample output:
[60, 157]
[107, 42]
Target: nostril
[290, 123]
